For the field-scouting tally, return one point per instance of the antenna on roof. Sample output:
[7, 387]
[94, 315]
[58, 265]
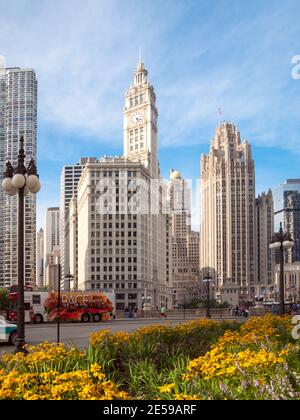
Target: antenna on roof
[220, 113]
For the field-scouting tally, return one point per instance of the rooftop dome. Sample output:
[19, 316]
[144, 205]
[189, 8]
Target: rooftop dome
[175, 175]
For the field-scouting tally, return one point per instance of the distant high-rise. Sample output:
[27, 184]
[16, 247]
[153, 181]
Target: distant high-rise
[227, 228]
[51, 234]
[51, 229]
[185, 242]
[292, 223]
[287, 212]
[40, 258]
[18, 117]
[265, 231]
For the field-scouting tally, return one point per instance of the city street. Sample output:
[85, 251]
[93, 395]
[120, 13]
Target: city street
[78, 333]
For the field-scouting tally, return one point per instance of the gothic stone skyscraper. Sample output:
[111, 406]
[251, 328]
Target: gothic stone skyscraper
[227, 243]
[18, 117]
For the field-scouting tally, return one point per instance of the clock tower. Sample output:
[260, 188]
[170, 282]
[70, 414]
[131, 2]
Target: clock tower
[140, 122]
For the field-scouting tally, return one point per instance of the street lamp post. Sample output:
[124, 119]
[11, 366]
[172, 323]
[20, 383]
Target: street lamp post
[207, 279]
[58, 304]
[281, 241]
[21, 181]
[69, 277]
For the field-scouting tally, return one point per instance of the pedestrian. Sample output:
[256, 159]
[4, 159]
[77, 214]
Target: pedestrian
[163, 312]
[126, 312]
[135, 312]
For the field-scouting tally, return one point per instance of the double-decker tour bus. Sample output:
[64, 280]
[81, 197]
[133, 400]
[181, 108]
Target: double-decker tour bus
[74, 306]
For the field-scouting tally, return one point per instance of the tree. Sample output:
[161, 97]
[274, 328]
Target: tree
[4, 301]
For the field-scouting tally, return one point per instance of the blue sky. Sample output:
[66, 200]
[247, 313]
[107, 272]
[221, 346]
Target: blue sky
[200, 55]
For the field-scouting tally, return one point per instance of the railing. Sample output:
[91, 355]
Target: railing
[269, 310]
[219, 313]
[215, 313]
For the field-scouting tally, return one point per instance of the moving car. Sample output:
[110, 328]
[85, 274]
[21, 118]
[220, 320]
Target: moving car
[8, 332]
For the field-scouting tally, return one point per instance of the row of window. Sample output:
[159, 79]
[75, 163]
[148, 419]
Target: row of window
[137, 100]
[137, 147]
[115, 226]
[113, 285]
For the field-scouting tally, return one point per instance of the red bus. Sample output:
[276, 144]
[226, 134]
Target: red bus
[74, 306]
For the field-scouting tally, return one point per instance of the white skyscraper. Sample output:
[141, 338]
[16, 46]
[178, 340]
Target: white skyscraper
[18, 117]
[141, 145]
[68, 189]
[125, 245]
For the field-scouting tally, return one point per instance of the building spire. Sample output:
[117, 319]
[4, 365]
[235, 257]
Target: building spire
[220, 113]
[141, 72]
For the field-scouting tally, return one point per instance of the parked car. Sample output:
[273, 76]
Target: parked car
[8, 332]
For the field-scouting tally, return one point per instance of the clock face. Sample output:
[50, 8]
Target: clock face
[136, 118]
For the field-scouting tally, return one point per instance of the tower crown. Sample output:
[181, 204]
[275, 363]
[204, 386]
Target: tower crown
[141, 74]
[140, 121]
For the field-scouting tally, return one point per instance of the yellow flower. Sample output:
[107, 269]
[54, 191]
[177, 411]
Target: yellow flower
[96, 371]
[186, 397]
[166, 389]
[99, 337]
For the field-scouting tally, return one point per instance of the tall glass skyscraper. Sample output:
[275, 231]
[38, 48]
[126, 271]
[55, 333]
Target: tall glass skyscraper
[18, 117]
[287, 212]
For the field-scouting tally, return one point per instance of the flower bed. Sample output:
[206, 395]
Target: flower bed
[53, 372]
[201, 359]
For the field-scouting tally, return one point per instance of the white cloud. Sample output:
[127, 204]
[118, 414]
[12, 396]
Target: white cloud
[85, 53]
[200, 55]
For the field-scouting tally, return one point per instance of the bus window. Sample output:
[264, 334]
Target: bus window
[36, 299]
